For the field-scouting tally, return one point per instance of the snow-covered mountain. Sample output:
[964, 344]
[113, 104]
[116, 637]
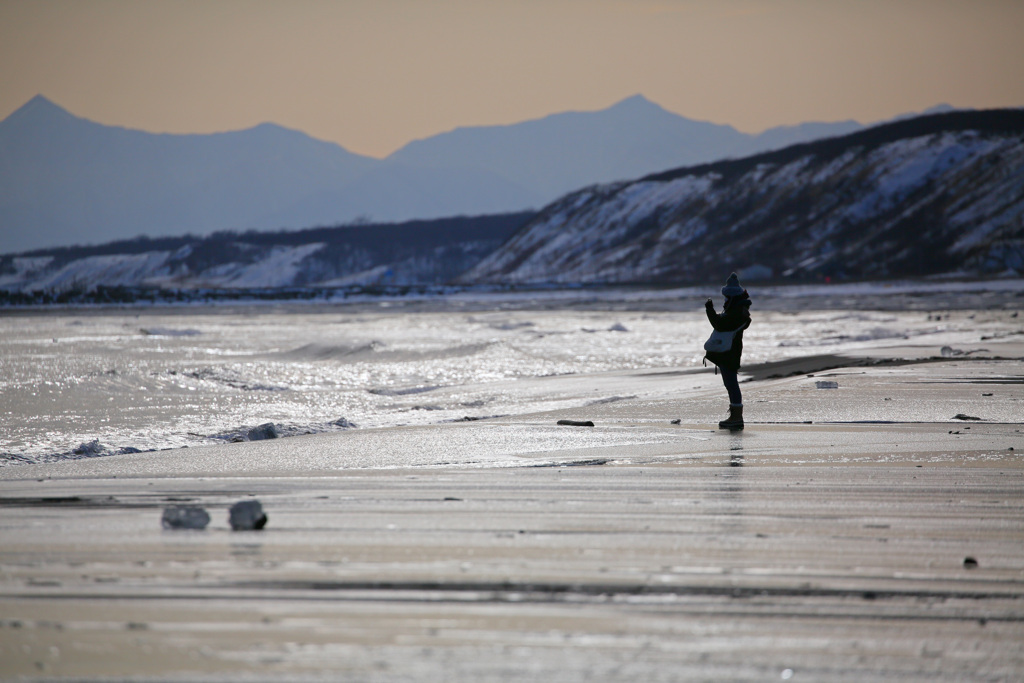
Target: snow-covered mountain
[929, 195]
[65, 180]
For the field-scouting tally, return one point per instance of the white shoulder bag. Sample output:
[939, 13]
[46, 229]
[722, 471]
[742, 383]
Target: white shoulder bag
[722, 341]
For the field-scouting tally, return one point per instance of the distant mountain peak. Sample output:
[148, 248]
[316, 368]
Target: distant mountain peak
[38, 108]
[42, 101]
[637, 100]
[636, 105]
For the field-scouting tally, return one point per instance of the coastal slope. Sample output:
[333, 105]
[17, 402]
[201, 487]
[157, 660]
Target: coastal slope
[941, 194]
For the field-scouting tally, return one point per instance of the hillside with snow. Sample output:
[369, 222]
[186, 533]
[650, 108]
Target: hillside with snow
[414, 253]
[939, 194]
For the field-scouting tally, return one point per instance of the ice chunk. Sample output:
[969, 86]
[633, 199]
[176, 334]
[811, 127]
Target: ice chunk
[185, 517]
[90, 449]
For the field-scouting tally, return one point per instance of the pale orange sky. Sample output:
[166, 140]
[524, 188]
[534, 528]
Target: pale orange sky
[372, 75]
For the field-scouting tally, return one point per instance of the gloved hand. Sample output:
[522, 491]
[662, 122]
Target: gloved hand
[709, 304]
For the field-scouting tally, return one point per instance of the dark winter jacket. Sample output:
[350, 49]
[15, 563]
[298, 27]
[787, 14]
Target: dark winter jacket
[735, 315]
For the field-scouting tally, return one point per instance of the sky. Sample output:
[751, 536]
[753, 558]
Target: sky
[372, 75]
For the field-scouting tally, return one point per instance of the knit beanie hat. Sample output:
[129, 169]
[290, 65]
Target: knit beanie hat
[732, 286]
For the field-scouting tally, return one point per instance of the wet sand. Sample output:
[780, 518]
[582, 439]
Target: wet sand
[861, 532]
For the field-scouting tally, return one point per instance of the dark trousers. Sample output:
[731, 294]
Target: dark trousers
[732, 385]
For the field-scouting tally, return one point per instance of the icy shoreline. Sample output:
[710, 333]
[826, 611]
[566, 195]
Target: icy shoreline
[98, 381]
[949, 292]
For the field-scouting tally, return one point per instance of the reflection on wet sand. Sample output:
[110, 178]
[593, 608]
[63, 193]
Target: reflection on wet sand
[735, 448]
[610, 572]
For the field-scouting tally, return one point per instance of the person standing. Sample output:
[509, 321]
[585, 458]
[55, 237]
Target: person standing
[734, 318]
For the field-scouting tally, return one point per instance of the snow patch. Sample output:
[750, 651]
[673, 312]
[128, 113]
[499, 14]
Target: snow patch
[279, 268]
[114, 270]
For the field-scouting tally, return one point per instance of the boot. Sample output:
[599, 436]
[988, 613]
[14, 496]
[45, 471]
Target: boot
[735, 420]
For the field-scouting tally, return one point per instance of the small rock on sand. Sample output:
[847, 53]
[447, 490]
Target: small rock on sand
[264, 431]
[247, 515]
[576, 423]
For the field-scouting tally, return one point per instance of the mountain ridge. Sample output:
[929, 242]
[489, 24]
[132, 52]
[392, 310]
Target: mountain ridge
[67, 180]
[568, 150]
[941, 195]
[935, 195]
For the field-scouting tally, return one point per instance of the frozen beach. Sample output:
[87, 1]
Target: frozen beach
[868, 524]
[94, 381]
